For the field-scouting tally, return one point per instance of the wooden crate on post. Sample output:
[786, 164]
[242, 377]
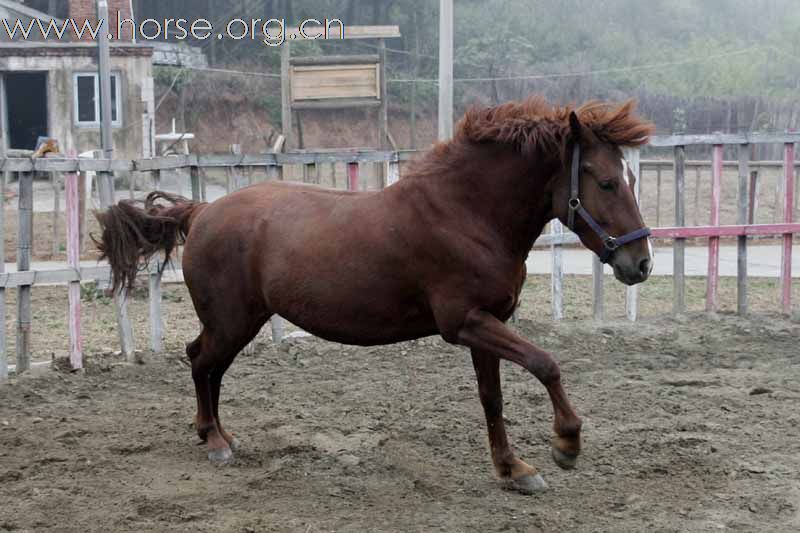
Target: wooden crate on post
[336, 81]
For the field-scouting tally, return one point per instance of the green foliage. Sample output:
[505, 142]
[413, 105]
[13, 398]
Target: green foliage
[91, 292]
[173, 76]
[682, 48]
[271, 103]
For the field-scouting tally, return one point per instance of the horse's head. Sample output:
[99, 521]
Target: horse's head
[595, 197]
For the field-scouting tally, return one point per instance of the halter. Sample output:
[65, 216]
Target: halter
[610, 244]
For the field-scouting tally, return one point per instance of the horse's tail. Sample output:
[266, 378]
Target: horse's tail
[135, 230]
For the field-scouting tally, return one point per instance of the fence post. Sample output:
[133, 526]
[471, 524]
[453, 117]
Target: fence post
[231, 176]
[105, 183]
[557, 274]
[154, 296]
[393, 172]
[155, 175]
[74, 261]
[598, 292]
[24, 240]
[273, 173]
[277, 329]
[154, 278]
[712, 284]
[632, 155]
[3, 354]
[56, 212]
[310, 173]
[697, 173]
[741, 248]
[788, 208]
[658, 195]
[352, 176]
[197, 188]
[679, 245]
[751, 217]
[779, 193]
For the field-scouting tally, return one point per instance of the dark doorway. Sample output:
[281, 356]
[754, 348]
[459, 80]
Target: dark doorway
[26, 102]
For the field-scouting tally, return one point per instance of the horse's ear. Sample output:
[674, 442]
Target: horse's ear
[575, 125]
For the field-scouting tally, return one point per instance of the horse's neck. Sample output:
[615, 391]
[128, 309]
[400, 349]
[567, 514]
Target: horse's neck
[500, 187]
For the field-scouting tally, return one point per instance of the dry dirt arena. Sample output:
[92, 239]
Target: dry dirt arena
[690, 425]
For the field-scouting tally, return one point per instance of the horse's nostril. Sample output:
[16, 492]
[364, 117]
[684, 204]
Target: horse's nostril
[644, 267]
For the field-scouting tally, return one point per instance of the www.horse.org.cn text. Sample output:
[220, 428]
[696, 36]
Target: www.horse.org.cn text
[270, 31]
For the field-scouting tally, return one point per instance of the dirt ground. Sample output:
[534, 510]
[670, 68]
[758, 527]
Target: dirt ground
[690, 424]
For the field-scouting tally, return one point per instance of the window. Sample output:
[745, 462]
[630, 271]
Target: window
[87, 100]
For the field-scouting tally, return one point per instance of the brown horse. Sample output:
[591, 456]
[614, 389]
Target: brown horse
[441, 252]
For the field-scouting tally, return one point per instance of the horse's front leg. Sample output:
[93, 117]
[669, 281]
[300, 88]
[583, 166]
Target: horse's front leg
[485, 334]
[519, 475]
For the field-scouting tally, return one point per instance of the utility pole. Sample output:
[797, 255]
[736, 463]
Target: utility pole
[105, 180]
[445, 69]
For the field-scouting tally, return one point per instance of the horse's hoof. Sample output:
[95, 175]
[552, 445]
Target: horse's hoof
[528, 484]
[235, 444]
[566, 461]
[222, 456]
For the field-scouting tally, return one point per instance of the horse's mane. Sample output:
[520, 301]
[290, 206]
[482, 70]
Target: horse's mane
[534, 126]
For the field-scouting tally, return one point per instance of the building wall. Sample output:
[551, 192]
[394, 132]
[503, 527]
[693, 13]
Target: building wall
[82, 10]
[136, 73]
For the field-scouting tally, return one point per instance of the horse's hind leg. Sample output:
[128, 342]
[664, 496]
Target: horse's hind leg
[519, 475]
[211, 355]
[205, 353]
[215, 379]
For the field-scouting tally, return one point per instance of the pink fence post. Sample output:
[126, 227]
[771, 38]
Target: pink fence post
[712, 283]
[788, 208]
[74, 260]
[352, 176]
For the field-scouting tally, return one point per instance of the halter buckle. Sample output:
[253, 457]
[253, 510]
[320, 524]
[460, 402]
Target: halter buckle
[574, 203]
[610, 243]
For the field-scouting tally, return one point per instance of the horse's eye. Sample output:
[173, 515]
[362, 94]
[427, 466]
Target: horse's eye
[608, 185]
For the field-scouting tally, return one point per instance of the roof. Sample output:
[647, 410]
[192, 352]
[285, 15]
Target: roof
[11, 9]
[41, 49]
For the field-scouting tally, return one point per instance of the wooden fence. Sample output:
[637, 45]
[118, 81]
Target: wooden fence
[239, 169]
[274, 164]
[713, 231]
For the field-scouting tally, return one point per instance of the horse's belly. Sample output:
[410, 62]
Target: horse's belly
[361, 323]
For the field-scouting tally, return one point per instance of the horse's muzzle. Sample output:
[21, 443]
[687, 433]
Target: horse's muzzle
[631, 268]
